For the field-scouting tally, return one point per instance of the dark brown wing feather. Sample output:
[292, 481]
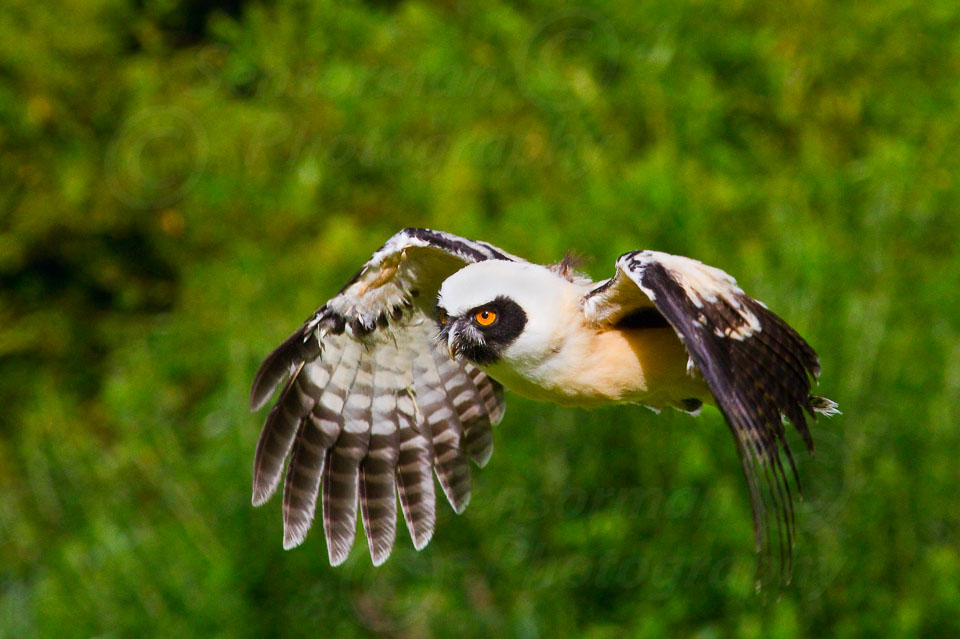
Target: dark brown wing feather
[757, 367]
[318, 430]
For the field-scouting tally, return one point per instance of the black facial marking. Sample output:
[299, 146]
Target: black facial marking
[643, 318]
[485, 344]
[443, 323]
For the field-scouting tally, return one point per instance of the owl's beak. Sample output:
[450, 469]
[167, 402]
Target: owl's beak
[451, 343]
[457, 340]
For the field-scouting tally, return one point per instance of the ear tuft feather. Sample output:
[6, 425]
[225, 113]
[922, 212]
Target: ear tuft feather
[567, 267]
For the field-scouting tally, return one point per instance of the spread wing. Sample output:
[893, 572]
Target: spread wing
[373, 406]
[757, 367]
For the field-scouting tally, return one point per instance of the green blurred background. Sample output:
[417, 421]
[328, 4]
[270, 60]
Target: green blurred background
[182, 183]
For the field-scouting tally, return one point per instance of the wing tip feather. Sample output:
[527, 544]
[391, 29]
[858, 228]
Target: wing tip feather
[296, 524]
[284, 359]
[278, 364]
[422, 539]
[481, 459]
[380, 552]
[293, 536]
[259, 394]
[262, 494]
[338, 553]
[824, 406]
[461, 504]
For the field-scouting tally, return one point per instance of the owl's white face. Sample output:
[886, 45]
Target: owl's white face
[498, 311]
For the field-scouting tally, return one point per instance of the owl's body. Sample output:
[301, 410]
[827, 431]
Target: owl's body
[400, 374]
[565, 358]
[593, 368]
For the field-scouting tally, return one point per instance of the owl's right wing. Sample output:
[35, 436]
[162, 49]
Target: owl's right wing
[374, 405]
[758, 368]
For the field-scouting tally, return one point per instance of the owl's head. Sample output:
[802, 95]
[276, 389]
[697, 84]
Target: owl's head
[498, 310]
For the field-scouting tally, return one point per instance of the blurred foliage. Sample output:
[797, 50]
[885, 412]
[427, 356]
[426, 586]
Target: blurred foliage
[181, 183]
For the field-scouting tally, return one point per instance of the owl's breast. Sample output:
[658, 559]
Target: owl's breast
[591, 367]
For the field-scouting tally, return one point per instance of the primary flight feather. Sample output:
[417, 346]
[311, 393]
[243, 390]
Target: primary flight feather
[400, 376]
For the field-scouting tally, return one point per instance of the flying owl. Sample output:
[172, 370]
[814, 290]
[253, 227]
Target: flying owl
[401, 375]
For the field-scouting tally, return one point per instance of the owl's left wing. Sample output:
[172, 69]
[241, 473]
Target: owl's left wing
[373, 405]
[757, 367]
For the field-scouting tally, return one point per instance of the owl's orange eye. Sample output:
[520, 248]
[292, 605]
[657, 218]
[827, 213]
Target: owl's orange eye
[485, 318]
